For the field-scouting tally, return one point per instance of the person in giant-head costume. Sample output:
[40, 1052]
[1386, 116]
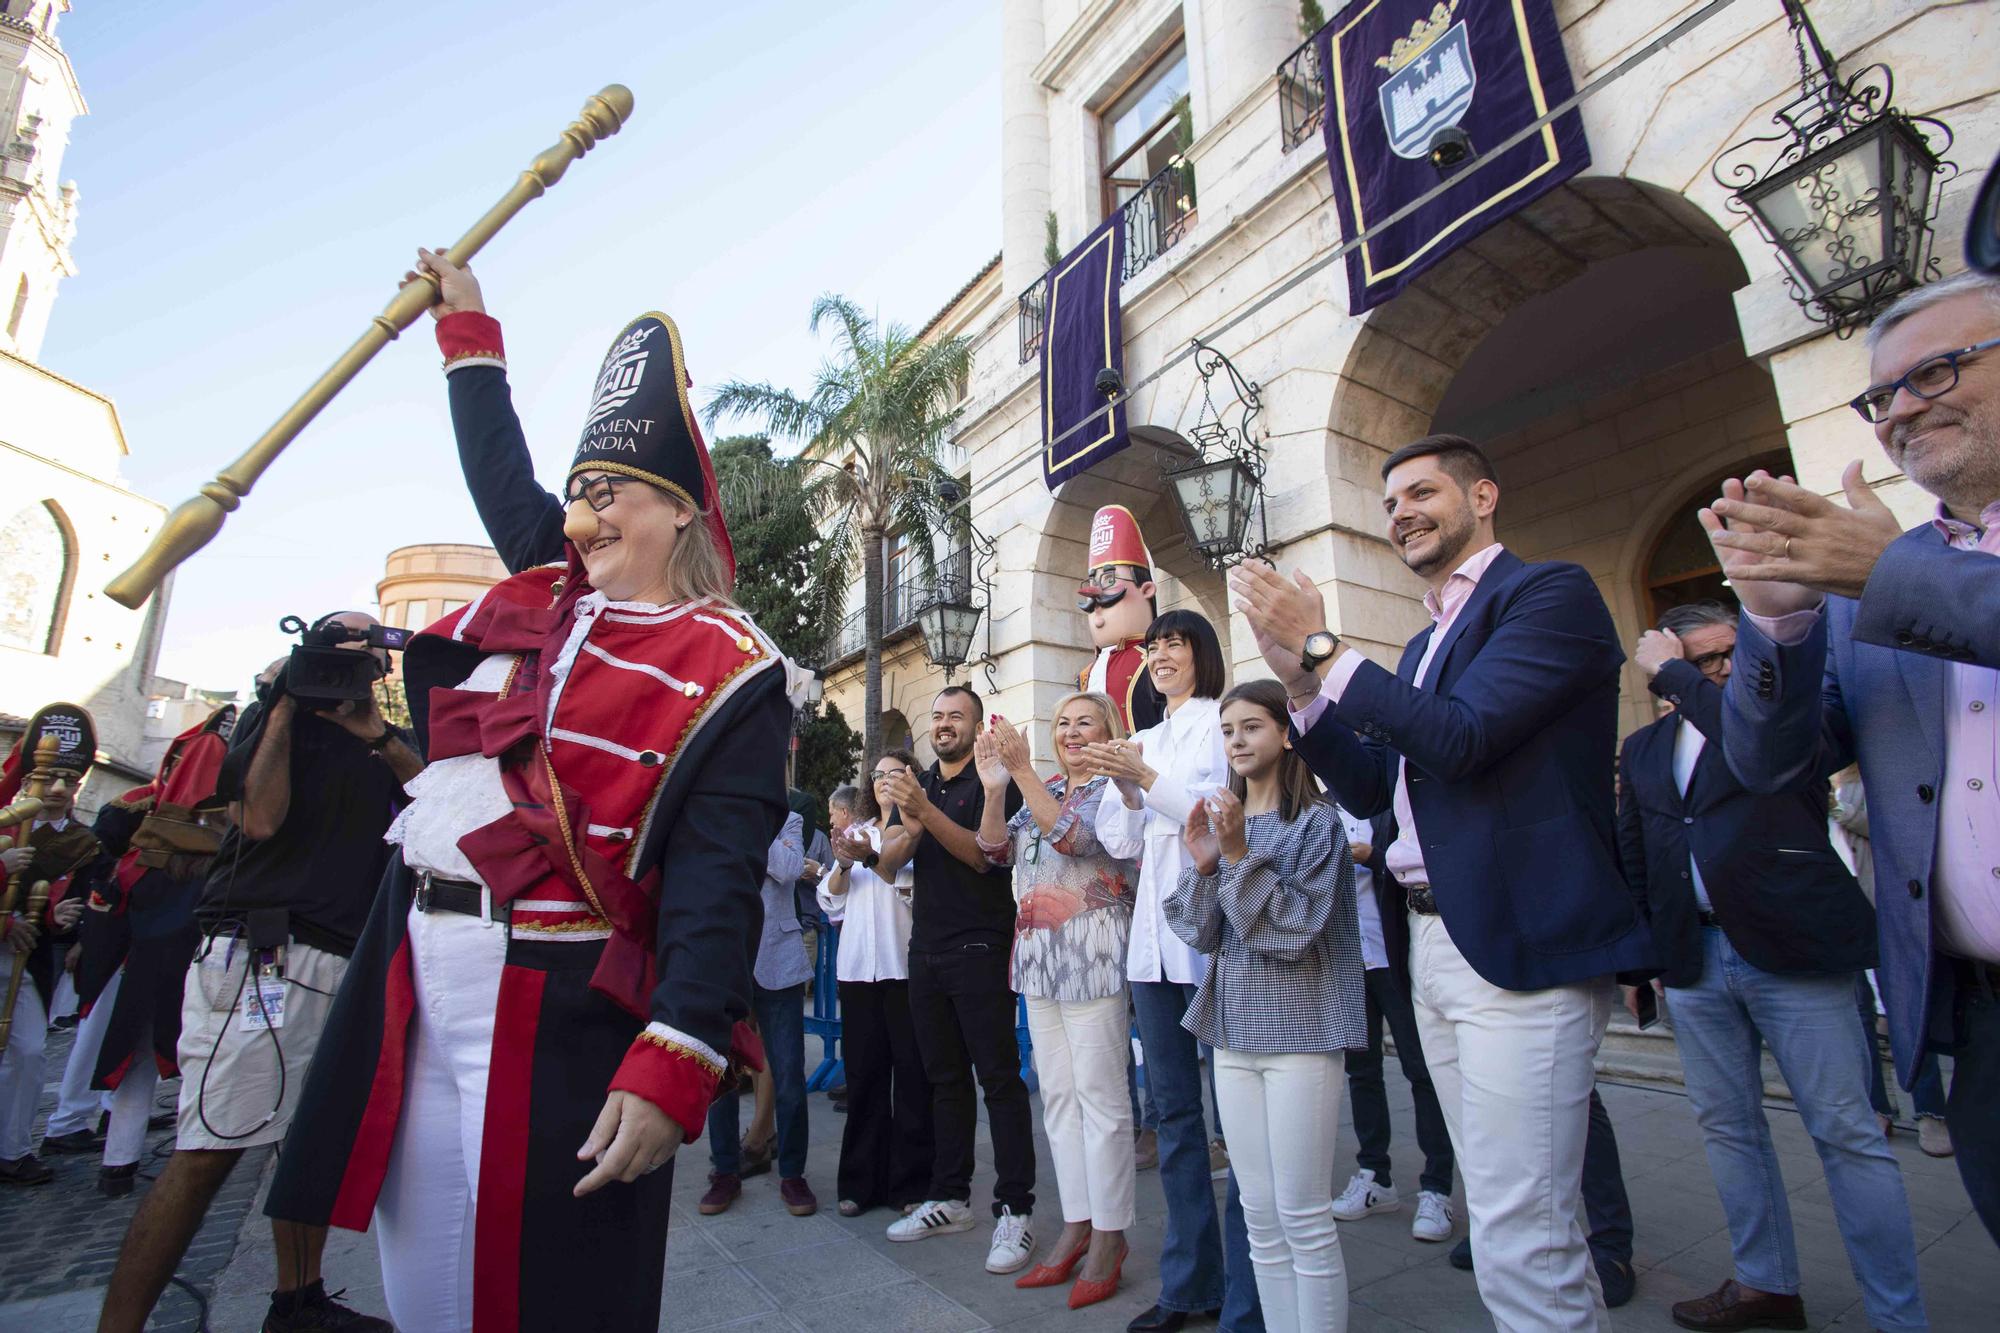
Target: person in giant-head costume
[1118, 598]
[551, 989]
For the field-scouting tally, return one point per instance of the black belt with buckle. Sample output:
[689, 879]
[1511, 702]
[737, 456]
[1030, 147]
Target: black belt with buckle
[435, 893]
[1421, 901]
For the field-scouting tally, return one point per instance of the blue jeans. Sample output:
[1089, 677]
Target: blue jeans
[1144, 1114]
[1202, 1266]
[781, 1023]
[1808, 1021]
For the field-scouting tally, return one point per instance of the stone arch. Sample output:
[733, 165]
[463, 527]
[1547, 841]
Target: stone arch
[1409, 350]
[1591, 343]
[895, 730]
[1133, 478]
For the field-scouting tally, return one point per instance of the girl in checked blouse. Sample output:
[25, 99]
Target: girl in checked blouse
[1268, 895]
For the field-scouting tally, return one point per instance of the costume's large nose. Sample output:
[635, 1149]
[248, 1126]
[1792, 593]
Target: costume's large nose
[580, 523]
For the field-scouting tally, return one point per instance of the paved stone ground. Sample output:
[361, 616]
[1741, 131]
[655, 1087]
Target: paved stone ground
[756, 1269]
[58, 1241]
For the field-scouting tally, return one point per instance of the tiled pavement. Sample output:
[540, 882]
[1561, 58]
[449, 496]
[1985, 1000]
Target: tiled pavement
[58, 1241]
[756, 1269]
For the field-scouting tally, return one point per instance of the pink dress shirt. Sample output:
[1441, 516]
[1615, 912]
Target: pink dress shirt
[1405, 857]
[1965, 878]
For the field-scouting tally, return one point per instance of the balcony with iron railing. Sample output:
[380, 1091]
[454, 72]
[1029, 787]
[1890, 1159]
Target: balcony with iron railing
[902, 601]
[1155, 218]
[1301, 94]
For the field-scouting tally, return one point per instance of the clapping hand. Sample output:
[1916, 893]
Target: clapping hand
[1012, 748]
[850, 847]
[1225, 811]
[1282, 612]
[1124, 761]
[1778, 532]
[908, 795]
[986, 758]
[1198, 836]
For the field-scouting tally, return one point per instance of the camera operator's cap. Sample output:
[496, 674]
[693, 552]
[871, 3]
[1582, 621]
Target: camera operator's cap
[1115, 540]
[642, 425]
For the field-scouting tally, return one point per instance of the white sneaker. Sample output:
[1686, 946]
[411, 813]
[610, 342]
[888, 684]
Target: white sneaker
[1363, 1196]
[1013, 1243]
[939, 1217]
[1433, 1219]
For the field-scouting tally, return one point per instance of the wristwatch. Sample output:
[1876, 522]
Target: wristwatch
[381, 743]
[871, 859]
[1320, 645]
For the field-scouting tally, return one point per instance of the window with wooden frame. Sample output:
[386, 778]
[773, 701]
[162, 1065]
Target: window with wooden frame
[1141, 128]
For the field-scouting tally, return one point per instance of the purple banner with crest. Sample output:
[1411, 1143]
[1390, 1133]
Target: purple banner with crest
[1407, 80]
[1082, 336]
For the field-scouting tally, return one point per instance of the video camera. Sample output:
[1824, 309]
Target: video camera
[321, 672]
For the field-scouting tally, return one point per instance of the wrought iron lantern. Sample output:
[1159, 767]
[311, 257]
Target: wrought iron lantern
[1217, 493]
[1214, 498]
[1849, 197]
[948, 625]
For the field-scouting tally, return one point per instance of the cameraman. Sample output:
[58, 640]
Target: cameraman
[311, 793]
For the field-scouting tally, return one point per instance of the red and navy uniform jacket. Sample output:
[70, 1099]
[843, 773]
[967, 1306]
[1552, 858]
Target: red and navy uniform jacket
[1129, 684]
[141, 913]
[646, 767]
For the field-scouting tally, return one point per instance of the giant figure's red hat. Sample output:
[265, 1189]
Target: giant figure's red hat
[1115, 540]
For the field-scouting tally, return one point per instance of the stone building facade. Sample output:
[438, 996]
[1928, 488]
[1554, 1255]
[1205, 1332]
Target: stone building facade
[1620, 345]
[67, 521]
[429, 581]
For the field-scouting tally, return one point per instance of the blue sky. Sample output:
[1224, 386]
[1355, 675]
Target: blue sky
[255, 177]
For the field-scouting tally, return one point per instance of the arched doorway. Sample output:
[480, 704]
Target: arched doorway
[895, 730]
[1679, 566]
[1591, 346]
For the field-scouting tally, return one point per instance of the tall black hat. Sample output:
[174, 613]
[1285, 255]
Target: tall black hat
[76, 746]
[642, 425]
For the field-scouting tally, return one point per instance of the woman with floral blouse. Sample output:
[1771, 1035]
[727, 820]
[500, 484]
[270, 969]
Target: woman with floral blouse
[1073, 913]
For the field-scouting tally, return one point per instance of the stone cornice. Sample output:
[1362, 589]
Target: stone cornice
[1065, 50]
[54, 50]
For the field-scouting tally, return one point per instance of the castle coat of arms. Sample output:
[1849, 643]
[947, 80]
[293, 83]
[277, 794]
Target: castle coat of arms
[1431, 81]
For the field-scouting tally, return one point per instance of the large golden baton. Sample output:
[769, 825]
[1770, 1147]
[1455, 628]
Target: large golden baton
[34, 788]
[194, 524]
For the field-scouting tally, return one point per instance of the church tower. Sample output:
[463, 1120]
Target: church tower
[39, 98]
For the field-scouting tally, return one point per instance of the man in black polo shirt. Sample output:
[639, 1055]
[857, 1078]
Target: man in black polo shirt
[962, 929]
[311, 794]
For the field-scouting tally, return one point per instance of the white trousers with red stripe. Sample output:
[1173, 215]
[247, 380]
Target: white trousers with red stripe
[424, 1217]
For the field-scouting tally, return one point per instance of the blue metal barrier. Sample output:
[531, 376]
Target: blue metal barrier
[824, 1019]
[1026, 1043]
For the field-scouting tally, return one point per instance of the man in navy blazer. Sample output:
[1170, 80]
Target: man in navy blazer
[1763, 932]
[1860, 643]
[1494, 742]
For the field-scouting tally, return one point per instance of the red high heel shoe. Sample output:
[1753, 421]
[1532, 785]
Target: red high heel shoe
[1052, 1275]
[1088, 1291]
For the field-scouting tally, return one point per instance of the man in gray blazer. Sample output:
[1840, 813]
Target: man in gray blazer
[1861, 643]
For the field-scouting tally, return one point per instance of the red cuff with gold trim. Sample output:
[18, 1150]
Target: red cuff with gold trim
[677, 1078]
[471, 336]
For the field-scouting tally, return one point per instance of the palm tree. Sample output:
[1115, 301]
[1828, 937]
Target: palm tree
[871, 426]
